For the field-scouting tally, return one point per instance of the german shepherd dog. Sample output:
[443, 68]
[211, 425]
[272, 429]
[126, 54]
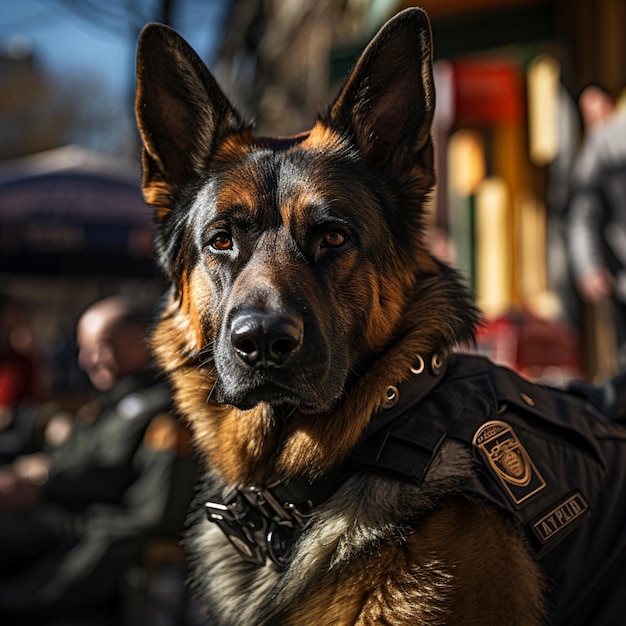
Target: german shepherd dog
[304, 307]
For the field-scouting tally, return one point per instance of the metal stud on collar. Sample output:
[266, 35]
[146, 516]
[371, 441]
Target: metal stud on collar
[436, 364]
[392, 395]
[418, 368]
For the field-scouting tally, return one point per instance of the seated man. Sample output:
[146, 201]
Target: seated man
[74, 519]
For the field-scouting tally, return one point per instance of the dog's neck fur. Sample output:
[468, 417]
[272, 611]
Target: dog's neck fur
[257, 446]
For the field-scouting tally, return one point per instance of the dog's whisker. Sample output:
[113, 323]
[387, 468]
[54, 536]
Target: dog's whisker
[211, 391]
[285, 417]
[207, 356]
[206, 362]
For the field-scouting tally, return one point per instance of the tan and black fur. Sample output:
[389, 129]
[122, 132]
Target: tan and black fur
[319, 237]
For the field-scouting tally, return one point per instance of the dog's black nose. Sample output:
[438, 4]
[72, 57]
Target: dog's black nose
[265, 339]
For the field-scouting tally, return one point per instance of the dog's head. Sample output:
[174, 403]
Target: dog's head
[298, 265]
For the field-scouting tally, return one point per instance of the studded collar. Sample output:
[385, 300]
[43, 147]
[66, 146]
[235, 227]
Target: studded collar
[264, 523]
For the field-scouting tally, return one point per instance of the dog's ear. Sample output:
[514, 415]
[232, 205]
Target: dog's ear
[181, 111]
[388, 101]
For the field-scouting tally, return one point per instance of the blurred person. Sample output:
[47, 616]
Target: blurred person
[74, 519]
[596, 107]
[17, 383]
[596, 218]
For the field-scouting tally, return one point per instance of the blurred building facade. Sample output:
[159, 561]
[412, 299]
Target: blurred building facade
[507, 130]
[292, 52]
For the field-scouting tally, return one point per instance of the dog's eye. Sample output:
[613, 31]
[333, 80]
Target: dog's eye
[221, 242]
[334, 239]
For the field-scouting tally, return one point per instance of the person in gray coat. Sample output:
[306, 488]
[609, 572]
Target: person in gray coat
[596, 222]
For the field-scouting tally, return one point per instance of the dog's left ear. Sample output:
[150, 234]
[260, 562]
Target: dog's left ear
[181, 111]
[388, 101]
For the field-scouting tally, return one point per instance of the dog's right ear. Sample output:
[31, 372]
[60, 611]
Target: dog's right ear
[388, 100]
[181, 111]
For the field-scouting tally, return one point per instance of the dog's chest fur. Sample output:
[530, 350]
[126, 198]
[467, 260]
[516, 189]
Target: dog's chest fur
[366, 512]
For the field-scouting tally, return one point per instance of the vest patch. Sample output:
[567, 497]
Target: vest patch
[561, 516]
[508, 460]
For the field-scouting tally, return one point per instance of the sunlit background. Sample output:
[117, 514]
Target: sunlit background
[73, 225]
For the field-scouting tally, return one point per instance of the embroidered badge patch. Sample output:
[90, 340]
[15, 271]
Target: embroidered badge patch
[560, 517]
[508, 460]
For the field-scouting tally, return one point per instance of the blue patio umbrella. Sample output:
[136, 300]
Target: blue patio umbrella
[70, 211]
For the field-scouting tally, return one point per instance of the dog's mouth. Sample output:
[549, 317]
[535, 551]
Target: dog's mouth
[284, 399]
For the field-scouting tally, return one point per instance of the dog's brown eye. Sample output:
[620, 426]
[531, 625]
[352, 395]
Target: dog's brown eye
[222, 242]
[334, 239]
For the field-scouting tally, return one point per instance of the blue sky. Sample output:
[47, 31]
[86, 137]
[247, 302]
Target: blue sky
[64, 41]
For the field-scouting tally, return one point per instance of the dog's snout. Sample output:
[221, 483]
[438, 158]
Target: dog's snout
[265, 339]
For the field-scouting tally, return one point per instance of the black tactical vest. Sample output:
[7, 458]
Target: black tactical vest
[542, 456]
